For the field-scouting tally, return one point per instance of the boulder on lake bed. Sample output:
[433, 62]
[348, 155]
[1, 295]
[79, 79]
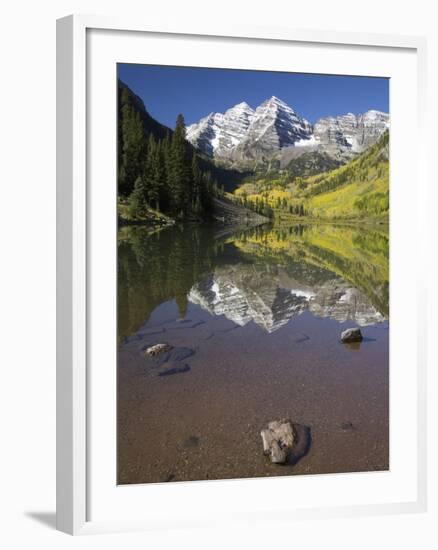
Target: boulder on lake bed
[278, 440]
[351, 335]
[157, 349]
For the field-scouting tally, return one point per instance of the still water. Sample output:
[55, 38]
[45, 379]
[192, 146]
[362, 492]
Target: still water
[254, 318]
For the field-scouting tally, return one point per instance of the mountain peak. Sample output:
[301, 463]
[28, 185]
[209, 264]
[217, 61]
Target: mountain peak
[351, 132]
[242, 105]
[274, 100]
[373, 113]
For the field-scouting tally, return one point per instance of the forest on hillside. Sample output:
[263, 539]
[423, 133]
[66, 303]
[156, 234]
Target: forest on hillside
[157, 168]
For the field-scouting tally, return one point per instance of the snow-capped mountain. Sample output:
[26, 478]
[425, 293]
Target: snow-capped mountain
[217, 134]
[351, 131]
[242, 133]
[274, 126]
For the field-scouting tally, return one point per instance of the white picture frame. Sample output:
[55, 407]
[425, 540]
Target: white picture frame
[74, 220]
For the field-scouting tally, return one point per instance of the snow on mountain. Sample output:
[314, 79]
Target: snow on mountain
[242, 133]
[307, 142]
[356, 132]
[275, 125]
[218, 133]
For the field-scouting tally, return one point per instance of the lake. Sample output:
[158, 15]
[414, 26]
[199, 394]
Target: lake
[252, 318]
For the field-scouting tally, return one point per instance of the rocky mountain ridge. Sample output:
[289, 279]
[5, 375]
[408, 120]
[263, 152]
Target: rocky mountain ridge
[243, 133]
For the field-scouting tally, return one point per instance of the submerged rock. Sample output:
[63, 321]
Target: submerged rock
[157, 349]
[166, 360]
[278, 440]
[351, 335]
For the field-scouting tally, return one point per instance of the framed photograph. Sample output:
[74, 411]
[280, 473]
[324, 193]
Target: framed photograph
[240, 275]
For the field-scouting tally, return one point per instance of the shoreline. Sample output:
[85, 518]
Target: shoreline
[296, 221]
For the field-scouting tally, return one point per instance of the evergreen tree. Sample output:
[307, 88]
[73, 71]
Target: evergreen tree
[137, 200]
[132, 144]
[154, 173]
[165, 154]
[196, 185]
[160, 174]
[179, 170]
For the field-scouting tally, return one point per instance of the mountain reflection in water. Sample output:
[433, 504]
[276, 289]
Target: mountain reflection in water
[267, 274]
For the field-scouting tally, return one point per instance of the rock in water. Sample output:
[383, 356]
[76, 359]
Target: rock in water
[278, 440]
[155, 350]
[351, 335]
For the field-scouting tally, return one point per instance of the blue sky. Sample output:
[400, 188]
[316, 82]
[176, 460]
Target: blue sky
[196, 92]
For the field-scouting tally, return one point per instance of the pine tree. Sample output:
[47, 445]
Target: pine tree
[179, 173]
[165, 147]
[153, 174]
[132, 144]
[160, 175]
[137, 200]
[196, 185]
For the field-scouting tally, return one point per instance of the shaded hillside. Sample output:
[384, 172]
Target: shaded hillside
[127, 98]
[310, 163]
[229, 213]
[290, 163]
